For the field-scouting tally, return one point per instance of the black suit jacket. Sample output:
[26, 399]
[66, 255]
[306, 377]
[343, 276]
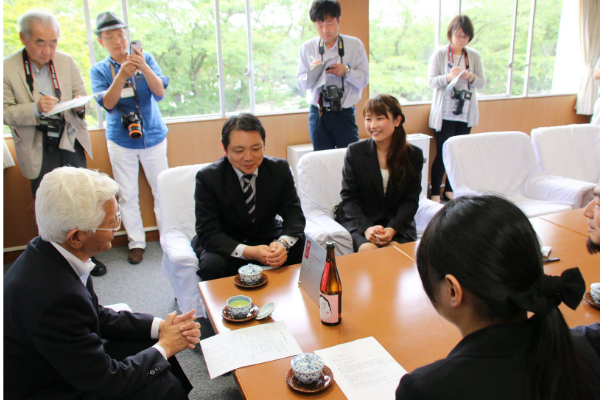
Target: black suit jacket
[222, 220]
[490, 363]
[53, 331]
[363, 201]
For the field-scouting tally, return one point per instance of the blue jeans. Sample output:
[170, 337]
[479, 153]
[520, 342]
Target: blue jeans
[332, 129]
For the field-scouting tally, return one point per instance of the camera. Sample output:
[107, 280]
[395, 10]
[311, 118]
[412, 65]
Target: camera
[52, 126]
[460, 96]
[334, 96]
[133, 123]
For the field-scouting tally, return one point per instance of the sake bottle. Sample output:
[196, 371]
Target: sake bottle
[330, 299]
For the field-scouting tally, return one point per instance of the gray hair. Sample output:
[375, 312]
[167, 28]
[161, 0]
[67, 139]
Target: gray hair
[70, 198]
[27, 20]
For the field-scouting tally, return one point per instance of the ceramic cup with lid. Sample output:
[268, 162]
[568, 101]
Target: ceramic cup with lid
[250, 274]
[595, 292]
[307, 367]
[239, 306]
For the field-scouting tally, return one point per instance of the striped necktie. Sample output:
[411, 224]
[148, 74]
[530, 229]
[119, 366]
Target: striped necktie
[249, 196]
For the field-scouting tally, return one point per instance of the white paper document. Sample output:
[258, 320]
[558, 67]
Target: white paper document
[454, 81]
[363, 369]
[313, 264]
[316, 76]
[74, 103]
[248, 346]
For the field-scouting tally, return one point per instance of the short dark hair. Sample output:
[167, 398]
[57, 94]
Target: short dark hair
[321, 9]
[241, 122]
[463, 22]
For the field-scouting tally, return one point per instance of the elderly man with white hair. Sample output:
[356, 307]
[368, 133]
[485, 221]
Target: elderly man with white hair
[35, 78]
[59, 342]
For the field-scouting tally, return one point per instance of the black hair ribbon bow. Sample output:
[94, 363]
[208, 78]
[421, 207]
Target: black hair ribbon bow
[548, 291]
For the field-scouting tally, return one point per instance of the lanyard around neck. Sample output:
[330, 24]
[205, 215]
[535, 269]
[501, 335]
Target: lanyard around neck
[29, 75]
[341, 52]
[451, 57]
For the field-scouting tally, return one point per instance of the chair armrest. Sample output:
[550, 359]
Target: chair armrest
[177, 247]
[321, 227]
[557, 188]
[427, 209]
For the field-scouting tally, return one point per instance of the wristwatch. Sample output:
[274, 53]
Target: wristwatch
[284, 244]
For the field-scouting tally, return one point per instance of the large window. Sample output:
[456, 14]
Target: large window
[517, 41]
[246, 60]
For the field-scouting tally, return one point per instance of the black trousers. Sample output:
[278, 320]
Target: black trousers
[215, 266]
[172, 384]
[59, 158]
[449, 129]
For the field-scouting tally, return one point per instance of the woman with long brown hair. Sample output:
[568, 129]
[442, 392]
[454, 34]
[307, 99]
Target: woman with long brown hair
[381, 180]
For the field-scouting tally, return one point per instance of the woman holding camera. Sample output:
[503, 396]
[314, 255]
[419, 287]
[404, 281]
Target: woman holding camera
[381, 180]
[489, 282]
[133, 85]
[454, 108]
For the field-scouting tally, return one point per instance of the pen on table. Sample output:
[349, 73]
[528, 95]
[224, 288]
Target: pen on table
[57, 100]
[552, 259]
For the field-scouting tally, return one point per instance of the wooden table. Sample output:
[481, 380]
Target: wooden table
[383, 298]
[573, 220]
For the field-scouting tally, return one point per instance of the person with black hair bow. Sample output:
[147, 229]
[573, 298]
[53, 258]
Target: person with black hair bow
[381, 180]
[481, 267]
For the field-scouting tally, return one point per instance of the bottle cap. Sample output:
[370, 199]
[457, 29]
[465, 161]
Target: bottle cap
[330, 244]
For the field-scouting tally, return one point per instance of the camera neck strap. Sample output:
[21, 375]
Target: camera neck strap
[133, 87]
[451, 57]
[341, 52]
[29, 75]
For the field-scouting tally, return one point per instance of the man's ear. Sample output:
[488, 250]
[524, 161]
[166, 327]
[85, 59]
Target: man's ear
[22, 37]
[455, 291]
[224, 150]
[100, 41]
[75, 238]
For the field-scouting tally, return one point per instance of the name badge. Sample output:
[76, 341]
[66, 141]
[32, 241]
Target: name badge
[127, 92]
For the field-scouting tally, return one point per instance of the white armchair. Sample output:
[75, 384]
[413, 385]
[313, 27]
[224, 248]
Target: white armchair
[176, 188]
[319, 187]
[571, 151]
[504, 163]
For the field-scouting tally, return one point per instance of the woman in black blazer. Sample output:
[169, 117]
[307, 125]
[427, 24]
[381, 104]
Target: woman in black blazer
[381, 180]
[481, 267]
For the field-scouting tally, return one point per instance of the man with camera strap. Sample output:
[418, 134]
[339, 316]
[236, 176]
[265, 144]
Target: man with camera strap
[331, 120]
[133, 85]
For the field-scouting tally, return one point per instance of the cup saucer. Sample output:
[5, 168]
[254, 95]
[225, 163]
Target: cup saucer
[323, 383]
[588, 299]
[238, 281]
[251, 314]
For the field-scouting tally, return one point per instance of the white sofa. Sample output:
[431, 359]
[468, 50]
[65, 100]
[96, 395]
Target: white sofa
[504, 163]
[319, 186]
[176, 188]
[572, 151]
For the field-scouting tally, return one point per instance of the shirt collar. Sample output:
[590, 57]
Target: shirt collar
[81, 268]
[37, 70]
[240, 174]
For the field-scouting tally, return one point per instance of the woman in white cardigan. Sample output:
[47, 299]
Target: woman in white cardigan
[447, 118]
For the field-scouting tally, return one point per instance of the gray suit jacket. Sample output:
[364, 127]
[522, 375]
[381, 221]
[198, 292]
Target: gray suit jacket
[19, 115]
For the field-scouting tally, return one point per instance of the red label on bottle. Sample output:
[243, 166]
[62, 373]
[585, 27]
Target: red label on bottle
[324, 277]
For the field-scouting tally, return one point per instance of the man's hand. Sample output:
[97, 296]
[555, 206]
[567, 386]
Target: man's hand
[137, 58]
[170, 337]
[277, 255]
[189, 328]
[46, 104]
[257, 253]
[372, 232]
[315, 63]
[383, 239]
[336, 69]
[128, 68]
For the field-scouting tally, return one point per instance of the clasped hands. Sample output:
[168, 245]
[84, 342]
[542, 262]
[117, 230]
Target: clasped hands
[380, 236]
[273, 255]
[177, 332]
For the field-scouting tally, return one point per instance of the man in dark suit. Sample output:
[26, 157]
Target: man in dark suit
[59, 342]
[238, 199]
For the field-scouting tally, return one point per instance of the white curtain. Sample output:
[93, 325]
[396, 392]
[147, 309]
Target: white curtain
[589, 33]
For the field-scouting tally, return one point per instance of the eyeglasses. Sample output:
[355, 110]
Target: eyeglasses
[461, 37]
[121, 37]
[118, 220]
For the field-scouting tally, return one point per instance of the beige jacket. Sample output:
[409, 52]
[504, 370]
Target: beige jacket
[19, 114]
